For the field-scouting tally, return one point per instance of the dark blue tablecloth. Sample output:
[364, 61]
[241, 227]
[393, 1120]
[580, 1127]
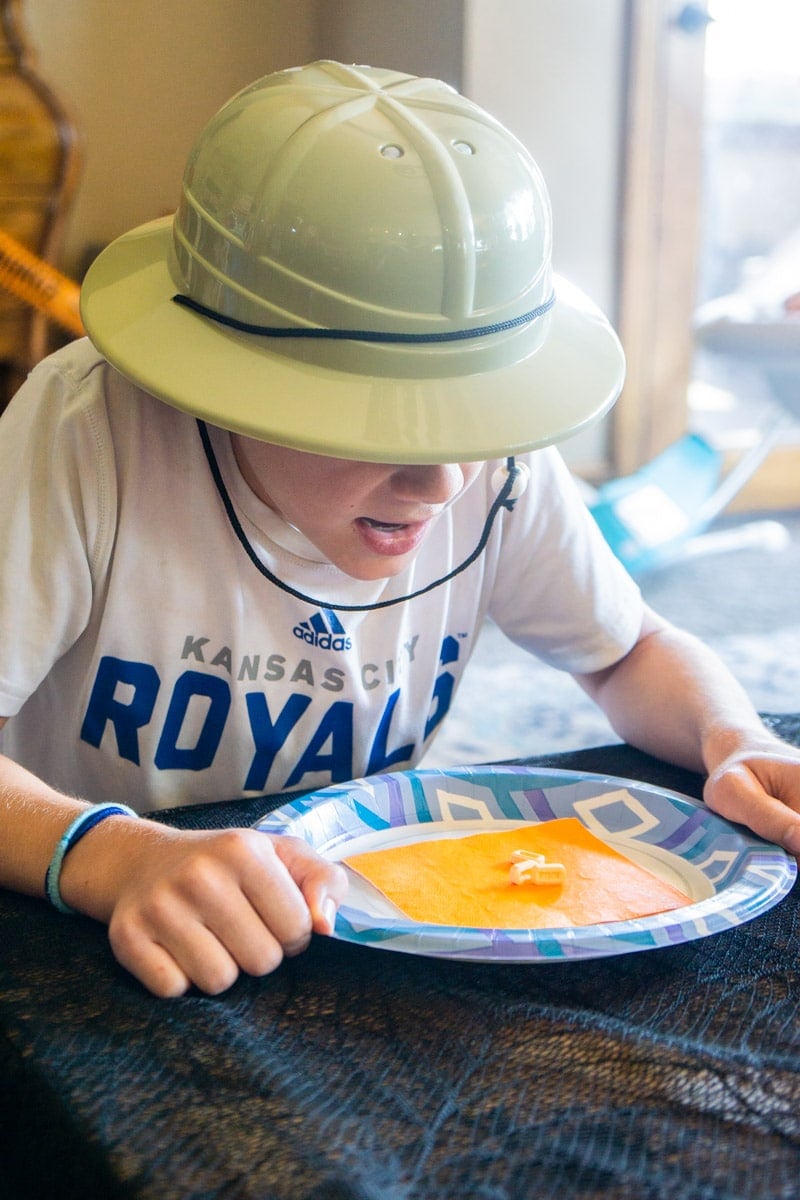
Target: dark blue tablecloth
[355, 1073]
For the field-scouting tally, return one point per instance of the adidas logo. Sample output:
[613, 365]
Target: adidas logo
[324, 630]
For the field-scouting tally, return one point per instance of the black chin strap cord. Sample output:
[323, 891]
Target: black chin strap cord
[364, 335]
[501, 500]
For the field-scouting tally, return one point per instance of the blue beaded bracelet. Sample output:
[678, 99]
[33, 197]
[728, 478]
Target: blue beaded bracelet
[71, 836]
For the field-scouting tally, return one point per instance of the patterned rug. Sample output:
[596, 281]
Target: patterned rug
[738, 590]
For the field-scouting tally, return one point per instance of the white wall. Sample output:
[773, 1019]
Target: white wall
[141, 80]
[423, 37]
[552, 71]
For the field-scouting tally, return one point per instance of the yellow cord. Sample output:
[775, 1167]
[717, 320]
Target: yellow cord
[38, 284]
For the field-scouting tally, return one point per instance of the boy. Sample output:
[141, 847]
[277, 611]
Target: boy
[252, 528]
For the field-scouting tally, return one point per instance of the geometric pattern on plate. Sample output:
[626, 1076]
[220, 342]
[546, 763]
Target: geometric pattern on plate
[593, 809]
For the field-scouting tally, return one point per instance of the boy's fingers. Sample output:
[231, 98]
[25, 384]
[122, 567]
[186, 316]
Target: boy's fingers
[737, 794]
[206, 951]
[323, 884]
[152, 965]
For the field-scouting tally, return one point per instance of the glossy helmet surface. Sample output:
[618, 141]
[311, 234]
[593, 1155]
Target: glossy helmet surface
[362, 265]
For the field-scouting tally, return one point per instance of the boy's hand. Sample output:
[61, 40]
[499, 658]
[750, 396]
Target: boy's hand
[761, 789]
[672, 697]
[196, 908]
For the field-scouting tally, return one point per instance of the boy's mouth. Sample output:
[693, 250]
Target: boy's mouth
[391, 538]
[384, 525]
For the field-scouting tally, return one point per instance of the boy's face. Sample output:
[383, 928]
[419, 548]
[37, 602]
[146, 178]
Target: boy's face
[369, 519]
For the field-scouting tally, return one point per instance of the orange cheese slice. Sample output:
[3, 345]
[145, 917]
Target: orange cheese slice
[465, 881]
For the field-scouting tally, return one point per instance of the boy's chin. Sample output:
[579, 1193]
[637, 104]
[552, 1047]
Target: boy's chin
[384, 569]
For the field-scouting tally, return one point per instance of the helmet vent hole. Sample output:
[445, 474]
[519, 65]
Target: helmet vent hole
[463, 148]
[391, 150]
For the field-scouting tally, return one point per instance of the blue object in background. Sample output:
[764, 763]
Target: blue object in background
[646, 517]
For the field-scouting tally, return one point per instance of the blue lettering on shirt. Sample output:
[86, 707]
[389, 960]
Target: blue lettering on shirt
[269, 736]
[443, 688]
[127, 719]
[169, 755]
[328, 751]
[380, 759]
[335, 730]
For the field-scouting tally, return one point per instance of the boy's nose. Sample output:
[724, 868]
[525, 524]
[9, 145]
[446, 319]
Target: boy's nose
[433, 483]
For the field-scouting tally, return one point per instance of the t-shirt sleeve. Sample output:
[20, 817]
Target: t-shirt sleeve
[561, 593]
[56, 519]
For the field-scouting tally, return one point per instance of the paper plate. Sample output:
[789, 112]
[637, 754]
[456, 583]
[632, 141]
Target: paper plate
[730, 874]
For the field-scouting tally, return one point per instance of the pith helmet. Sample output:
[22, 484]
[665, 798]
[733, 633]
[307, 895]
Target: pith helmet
[360, 266]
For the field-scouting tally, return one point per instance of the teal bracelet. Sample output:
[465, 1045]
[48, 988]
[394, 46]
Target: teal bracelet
[71, 836]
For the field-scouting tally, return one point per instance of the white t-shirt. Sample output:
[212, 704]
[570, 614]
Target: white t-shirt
[144, 656]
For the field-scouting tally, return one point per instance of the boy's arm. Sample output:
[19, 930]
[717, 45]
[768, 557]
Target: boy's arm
[182, 907]
[672, 697]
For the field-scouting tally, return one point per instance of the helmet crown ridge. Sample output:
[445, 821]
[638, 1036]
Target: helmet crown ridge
[358, 198]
